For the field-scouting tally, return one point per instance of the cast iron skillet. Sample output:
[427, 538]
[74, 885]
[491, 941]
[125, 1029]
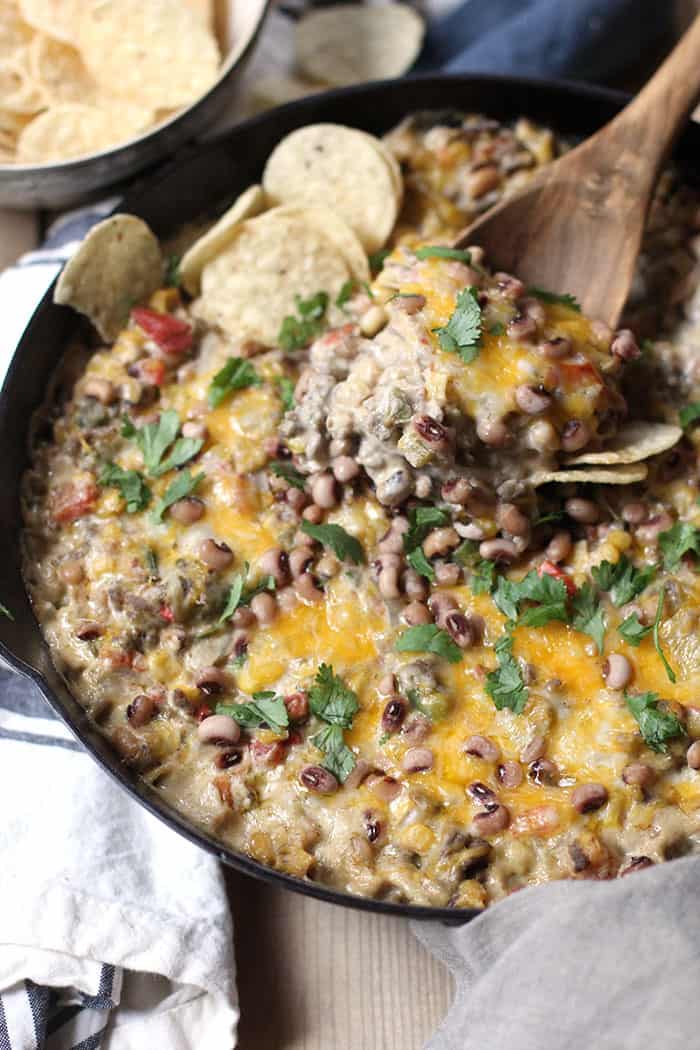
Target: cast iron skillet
[202, 180]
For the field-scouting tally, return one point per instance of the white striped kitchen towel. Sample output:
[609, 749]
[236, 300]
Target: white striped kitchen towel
[115, 933]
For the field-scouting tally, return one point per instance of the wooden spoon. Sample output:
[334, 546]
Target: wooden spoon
[577, 226]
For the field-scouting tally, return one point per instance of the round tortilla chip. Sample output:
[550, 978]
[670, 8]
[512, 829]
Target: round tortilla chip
[333, 227]
[58, 18]
[158, 51]
[18, 91]
[15, 34]
[349, 43]
[251, 287]
[633, 443]
[614, 475]
[336, 167]
[118, 265]
[251, 202]
[72, 130]
[60, 71]
[266, 92]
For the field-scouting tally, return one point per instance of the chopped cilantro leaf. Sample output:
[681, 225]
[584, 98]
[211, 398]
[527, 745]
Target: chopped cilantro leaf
[462, 333]
[549, 593]
[505, 685]
[482, 581]
[4, 611]
[549, 519]
[346, 293]
[421, 520]
[237, 374]
[427, 638]
[441, 251]
[467, 554]
[621, 580]
[151, 559]
[633, 631]
[677, 541]
[418, 561]
[376, 260]
[338, 759]
[134, 490]
[154, 440]
[291, 475]
[656, 725]
[285, 387]
[671, 674]
[689, 414]
[233, 599]
[264, 709]
[589, 615]
[172, 271]
[331, 700]
[344, 546]
[183, 486]
[552, 297]
[297, 332]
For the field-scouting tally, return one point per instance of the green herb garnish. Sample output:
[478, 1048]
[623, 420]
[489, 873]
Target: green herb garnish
[172, 271]
[677, 541]
[132, 487]
[633, 631]
[427, 638]
[656, 725]
[4, 611]
[462, 333]
[589, 615]
[344, 546]
[441, 251]
[689, 414]
[183, 486]
[421, 521]
[150, 557]
[671, 674]
[467, 554]
[484, 577]
[376, 260]
[552, 297]
[331, 700]
[346, 293]
[291, 475]
[338, 759]
[264, 709]
[505, 685]
[621, 580]
[155, 439]
[285, 387]
[237, 374]
[233, 599]
[549, 593]
[297, 332]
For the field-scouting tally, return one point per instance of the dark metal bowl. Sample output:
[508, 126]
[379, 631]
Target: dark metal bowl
[71, 181]
[182, 191]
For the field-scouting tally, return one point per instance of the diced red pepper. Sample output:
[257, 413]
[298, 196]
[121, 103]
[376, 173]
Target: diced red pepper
[548, 568]
[166, 613]
[73, 501]
[151, 370]
[268, 754]
[169, 333]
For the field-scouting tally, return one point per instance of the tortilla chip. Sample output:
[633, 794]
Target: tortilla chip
[58, 18]
[15, 34]
[157, 51]
[349, 43]
[633, 443]
[60, 71]
[118, 265]
[73, 130]
[614, 475]
[19, 92]
[338, 231]
[250, 288]
[251, 202]
[336, 167]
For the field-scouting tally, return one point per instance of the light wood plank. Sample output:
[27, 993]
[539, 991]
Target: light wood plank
[314, 976]
[19, 233]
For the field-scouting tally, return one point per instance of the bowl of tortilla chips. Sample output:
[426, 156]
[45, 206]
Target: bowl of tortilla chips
[93, 91]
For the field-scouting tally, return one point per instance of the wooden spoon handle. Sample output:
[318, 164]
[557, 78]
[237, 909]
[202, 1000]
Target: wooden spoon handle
[650, 124]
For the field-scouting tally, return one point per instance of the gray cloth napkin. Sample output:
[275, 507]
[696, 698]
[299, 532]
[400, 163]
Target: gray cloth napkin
[578, 966]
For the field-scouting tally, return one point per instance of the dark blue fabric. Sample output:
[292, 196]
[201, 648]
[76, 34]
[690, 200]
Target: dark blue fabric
[580, 39]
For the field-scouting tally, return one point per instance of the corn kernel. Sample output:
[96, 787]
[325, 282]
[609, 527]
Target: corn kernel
[418, 837]
[471, 894]
[165, 300]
